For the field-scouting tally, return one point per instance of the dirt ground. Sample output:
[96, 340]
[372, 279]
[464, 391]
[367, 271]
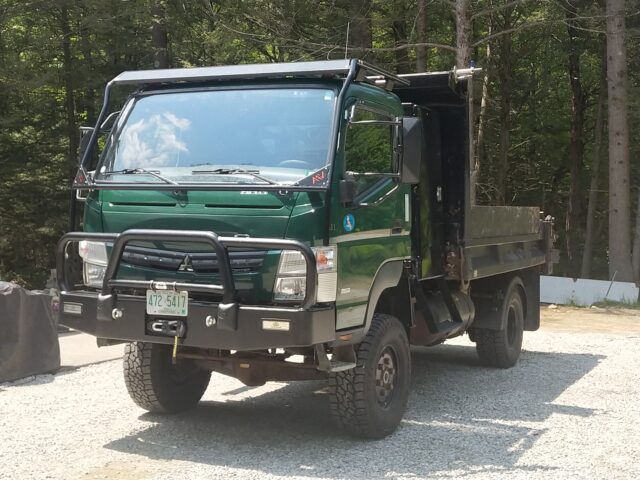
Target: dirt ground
[558, 318]
[569, 409]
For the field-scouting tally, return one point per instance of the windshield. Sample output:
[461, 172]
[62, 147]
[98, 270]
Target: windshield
[258, 136]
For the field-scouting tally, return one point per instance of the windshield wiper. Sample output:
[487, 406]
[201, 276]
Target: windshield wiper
[141, 171]
[233, 171]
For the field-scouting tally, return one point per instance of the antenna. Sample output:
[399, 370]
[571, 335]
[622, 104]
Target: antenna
[346, 43]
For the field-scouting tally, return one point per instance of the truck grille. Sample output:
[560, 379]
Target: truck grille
[241, 261]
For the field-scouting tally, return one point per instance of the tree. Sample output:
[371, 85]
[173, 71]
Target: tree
[576, 142]
[399, 31]
[463, 33]
[536, 124]
[585, 270]
[504, 21]
[421, 27]
[360, 35]
[159, 35]
[619, 190]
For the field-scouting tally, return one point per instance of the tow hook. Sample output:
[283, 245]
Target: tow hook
[168, 328]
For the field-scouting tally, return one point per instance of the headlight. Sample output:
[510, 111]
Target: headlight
[95, 259]
[291, 280]
[93, 275]
[93, 252]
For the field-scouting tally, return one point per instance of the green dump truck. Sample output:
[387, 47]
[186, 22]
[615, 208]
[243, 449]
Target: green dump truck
[293, 221]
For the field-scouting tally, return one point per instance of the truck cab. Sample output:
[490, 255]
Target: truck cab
[288, 222]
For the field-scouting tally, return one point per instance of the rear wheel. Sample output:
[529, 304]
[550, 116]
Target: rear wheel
[501, 348]
[156, 384]
[369, 400]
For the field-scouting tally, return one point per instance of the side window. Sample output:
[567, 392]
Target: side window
[369, 147]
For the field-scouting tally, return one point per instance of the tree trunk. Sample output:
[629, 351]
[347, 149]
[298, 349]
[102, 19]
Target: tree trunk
[159, 37]
[587, 253]
[463, 34]
[619, 202]
[399, 30]
[421, 25]
[87, 54]
[576, 143]
[504, 73]
[360, 35]
[69, 97]
[635, 262]
[482, 125]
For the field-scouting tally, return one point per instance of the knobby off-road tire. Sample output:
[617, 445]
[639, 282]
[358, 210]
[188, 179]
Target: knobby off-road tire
[369, 400]
[157, 385]
[501, 348]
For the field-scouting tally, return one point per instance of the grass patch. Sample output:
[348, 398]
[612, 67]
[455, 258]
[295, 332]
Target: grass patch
[630, 304]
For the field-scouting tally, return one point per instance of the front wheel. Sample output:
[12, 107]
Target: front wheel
[156, 384]
[369, 400]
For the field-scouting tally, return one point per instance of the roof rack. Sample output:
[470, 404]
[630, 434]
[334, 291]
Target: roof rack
[328, 68]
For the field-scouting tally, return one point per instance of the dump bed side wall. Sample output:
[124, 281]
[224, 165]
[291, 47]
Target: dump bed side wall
[497, 224]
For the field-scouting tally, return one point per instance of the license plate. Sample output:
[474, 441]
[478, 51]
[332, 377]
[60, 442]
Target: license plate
[167, 302]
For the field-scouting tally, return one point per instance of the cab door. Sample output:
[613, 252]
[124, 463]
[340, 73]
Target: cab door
[375, 226]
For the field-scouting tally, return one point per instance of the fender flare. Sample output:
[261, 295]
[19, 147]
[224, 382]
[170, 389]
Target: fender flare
[492, 318]
[388, 275]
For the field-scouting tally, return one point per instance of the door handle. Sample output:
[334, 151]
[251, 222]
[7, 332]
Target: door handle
[396, 230]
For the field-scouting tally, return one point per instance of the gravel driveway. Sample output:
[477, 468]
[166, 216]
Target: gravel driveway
[570, 409]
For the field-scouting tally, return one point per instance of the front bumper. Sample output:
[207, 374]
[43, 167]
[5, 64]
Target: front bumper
[224, 325]
[305, 327]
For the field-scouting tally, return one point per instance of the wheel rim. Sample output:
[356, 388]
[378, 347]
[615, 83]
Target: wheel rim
[386, 372]
[511, 325]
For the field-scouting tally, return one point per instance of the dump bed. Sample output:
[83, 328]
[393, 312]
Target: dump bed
[453, 236]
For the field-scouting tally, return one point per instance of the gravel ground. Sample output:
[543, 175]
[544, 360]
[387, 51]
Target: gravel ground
[570, 409]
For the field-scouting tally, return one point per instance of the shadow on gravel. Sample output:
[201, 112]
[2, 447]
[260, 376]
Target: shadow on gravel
[460, 417]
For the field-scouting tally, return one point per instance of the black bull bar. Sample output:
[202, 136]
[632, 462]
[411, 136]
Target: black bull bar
[237, 326]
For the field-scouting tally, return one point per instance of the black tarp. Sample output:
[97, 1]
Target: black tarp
[28, 333]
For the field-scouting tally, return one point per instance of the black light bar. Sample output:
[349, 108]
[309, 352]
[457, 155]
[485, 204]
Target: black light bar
[262, 70]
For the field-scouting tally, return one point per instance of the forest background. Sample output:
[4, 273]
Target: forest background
[557, 124]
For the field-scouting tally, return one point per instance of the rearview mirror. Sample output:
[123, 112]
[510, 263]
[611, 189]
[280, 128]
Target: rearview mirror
[413, 145]
[85, 138]
[347, 190]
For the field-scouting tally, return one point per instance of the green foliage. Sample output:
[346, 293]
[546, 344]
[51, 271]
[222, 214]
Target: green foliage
[45, 94]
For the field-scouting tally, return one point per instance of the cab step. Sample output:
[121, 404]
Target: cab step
[333, 365]
[338, 366]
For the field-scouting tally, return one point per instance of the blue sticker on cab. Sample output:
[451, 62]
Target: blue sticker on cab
[348, 222]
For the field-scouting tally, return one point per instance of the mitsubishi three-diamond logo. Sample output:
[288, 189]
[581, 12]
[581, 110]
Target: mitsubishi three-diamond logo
[186, 265]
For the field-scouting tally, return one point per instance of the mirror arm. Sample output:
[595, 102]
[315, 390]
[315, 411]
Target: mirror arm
[374, 122]
[373, 174]
[103, 126]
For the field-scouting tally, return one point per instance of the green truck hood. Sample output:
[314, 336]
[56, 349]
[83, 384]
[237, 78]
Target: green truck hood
[253, 213]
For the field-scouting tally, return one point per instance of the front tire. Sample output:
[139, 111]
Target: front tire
[501, 348]
[156, 385]
[369, 401]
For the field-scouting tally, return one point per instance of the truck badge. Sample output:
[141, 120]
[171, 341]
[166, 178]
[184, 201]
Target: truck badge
[186, 265]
